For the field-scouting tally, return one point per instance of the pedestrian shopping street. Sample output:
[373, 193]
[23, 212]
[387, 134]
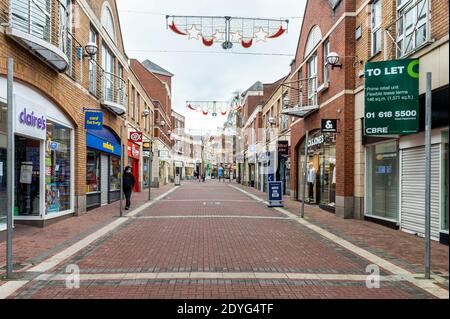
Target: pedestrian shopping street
[220, 240]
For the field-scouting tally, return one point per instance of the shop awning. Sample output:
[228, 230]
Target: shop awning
[104, 140]
[301, 112]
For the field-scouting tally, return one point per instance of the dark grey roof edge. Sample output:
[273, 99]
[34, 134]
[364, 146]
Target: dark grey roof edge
[155, 68]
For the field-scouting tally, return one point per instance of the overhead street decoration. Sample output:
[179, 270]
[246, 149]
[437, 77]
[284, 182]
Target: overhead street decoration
[213, 108]
[227, 30]
[392, 98]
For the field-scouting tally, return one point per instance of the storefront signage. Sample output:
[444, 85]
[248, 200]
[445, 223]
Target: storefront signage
[283, 149]
[30, 120]
[102, 145]
[275, 194]
[136, 137]
[316, 141]
[93, 121]
[147, 147]
[329, 126]
[134, 150]
[392, 97]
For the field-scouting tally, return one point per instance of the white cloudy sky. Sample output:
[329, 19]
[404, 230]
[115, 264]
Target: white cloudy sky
[208, 75]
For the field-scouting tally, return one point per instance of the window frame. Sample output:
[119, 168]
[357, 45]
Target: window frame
[403, 37]
[375, 27]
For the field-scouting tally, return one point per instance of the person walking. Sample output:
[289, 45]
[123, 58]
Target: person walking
[220, 172]
[128, 184]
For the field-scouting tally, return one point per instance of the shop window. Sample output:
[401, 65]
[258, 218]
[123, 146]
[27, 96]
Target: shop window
[320, 170]
[382, 193]
[58, 168]
[27, 176]
[3, 195]
[92, 171]
[114, 173]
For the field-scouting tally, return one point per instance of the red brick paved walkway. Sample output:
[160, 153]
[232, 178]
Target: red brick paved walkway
[212, 241]
[32, 244]
[399, 247]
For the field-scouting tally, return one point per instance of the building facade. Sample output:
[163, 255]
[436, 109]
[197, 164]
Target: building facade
[56, 80]
[316, 92]
[392, 169]
[157, 83]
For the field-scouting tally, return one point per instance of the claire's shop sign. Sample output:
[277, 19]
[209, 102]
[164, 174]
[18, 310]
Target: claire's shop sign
[30, 120]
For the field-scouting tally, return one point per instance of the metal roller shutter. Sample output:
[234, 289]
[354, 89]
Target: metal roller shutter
[413, 190]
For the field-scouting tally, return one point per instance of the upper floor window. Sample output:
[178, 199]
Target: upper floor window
[314, 38]
[413, 25]
[312, 81]
[326, 68]
[375, 24]
[108, 22]
[32, 17]
[93, 37]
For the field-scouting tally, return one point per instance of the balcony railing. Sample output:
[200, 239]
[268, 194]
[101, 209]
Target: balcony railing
[109, 88]
[301, 98]
[45, 28]
[410, 31]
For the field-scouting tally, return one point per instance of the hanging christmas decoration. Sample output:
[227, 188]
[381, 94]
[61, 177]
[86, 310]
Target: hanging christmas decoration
[211, 107]
[227, 30]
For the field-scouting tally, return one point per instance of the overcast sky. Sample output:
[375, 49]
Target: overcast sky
[208, 75]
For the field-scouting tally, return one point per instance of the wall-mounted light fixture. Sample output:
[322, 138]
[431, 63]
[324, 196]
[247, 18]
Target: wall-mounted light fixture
[271, 121]
[333, 60]
[91, 49]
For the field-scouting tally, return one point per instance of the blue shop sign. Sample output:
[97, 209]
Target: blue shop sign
[93, 121]
[102, 145]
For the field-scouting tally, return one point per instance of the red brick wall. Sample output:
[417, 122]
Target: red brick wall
[340, 103]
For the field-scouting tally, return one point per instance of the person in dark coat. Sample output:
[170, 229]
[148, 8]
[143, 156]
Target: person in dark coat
[128, 185]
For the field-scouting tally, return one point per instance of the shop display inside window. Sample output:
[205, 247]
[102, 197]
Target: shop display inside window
[57, 172]
[320, 169]
[27, 177]
[114, 182]
[92, 171]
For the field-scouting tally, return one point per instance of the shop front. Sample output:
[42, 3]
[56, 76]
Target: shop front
[102, 167]
[146, 157]
[320, 170]
[251, 166]
[178, 168]
[383, 182]
[43, 159]
[284, 166]
[412, 184]
[134, 160]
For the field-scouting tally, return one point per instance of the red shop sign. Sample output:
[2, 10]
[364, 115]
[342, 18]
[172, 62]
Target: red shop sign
[134, 150]
[136, 137]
